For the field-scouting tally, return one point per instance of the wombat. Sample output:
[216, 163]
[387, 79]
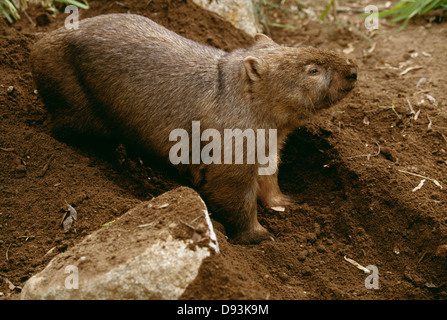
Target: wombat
[123, 76]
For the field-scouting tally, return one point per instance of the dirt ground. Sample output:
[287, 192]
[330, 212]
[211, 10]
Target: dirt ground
[353, 171]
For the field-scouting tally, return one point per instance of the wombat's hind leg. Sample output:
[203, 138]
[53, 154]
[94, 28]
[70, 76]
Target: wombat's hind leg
[253, 234]
[58, 82]
[73, 117]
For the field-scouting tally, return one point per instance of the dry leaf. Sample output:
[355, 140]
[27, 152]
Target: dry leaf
[355, 263]
[366, 121]
[419, 185]
[69, 217]
[349, 49]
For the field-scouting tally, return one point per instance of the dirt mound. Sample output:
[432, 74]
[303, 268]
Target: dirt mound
[353, 172]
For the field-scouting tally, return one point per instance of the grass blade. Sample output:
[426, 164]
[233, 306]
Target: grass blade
[9, 8]
[325, 12]
[78, 4]
[407, 9]
[5, 14]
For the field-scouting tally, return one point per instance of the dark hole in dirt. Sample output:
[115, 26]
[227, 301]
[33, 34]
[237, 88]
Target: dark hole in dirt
[309, 169]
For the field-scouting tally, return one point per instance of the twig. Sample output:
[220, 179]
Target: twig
[147, 4]
[122, 5]
[422, 257]
[423, 177]
[411, 107]
[366, 155]
[348, 9]
[7, 250]
[358, 9]
[416, 175]
[29, 18]
[47, 165]
[355, 263]
[26, 237]
[409, 69]
[416, 116]
[188, 225]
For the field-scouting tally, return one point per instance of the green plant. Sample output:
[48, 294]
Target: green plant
[348, 26]
[325, 12]
[83, 5]
[10, 8]
[392, 107]
[263, 9]
[407, 9]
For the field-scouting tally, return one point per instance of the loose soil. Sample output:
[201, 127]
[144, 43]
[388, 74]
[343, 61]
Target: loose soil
[350, 171]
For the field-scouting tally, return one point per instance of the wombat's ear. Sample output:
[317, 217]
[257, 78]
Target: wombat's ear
[262, 38]
[255, 68]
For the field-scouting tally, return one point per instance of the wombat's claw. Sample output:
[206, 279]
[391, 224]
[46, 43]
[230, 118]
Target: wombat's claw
[250, 237]
[278, 202]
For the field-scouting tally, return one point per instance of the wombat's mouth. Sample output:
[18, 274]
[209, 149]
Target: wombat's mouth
[332, 99]
[346, 90]
[326, 103]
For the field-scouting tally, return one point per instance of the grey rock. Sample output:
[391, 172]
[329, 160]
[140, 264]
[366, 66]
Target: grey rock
[240, 13]
[148, 253]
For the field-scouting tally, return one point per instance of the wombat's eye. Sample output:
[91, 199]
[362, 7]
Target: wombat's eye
[313, 69]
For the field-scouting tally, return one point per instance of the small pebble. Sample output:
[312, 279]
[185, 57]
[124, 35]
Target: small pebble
[307, 271]
[21, 168]
[283, 276]
[321, 248]
[311, 237]
[442, 251]
[10, 90]
[302, 255]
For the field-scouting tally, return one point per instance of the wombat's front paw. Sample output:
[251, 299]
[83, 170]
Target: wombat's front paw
[278, 200]
[252, 236]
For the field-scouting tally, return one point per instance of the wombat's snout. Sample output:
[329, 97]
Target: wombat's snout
[350, 75]
[353, 75]
[344, 80]
[352, 72]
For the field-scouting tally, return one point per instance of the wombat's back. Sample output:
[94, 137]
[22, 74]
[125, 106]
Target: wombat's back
[118, 66]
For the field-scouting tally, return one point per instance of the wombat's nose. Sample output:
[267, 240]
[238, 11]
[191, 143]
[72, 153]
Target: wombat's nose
[353, 75]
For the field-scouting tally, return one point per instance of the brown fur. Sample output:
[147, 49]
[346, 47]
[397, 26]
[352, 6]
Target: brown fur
[124, 76]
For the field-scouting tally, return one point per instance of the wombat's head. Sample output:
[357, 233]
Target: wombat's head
[298, 81]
